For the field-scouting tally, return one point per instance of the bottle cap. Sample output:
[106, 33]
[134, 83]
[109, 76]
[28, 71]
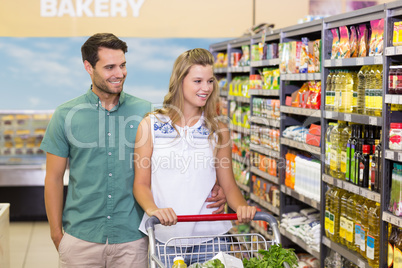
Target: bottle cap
[178, 259]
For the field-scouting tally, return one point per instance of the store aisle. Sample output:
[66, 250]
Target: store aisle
[31, 246]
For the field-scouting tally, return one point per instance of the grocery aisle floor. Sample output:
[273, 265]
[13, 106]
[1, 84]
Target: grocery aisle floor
[31, 246]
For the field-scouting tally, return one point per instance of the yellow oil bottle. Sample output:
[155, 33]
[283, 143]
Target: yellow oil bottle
[398, 249]
[370, 84]
[336, 150]
[361, 86]
[337, 89]
[328, 215]
[329, 100]
[377, 91]
[364, 226]
[346, 92]
[351, 217]
[373, 236]
[358, 222]
[343, 219]
[336, 207]
[345, 136]
[355, 93]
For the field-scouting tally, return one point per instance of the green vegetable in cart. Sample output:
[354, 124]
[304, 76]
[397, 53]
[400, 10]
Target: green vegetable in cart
[273, 258]
[216, 263]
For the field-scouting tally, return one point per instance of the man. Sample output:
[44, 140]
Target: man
[95, 132]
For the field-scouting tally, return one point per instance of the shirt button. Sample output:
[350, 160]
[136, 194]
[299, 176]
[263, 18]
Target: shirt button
[109, 153]
[108, 113]
[109, 196]
[108, 217]
[109, 134]
[96, 105]
[110, 174]
[131, 126]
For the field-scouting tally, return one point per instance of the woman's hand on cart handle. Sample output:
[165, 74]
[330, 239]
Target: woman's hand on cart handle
[166, 216]
[245, 214]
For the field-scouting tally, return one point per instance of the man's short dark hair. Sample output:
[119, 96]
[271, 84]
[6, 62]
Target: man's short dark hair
[89, 49]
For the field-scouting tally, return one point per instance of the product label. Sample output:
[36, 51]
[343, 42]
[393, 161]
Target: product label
[352, 164]
[397, 258]
[362, 239]
[357, 235]
[354, 101]
[331, 223]
[342, 229]
[349, 226]
[347, 175]
[328, 153]
[334, 159]
[370, 247]
[326, 226]
[361, 172]
[343, 161]
[372, 172]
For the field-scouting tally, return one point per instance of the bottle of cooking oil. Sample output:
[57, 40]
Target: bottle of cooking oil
[351, 217]
[373, 236]
[328, 147]
[355, 92]
[364, 226]
[343, 219]
[378, 91]
[336, 150]
[358, 222]
[334, 138]
[370, 84]
[346, 92]
[337, 89]
[361, 85]
[336, 207]
[328, 204]
[345, 136]
[329, 100]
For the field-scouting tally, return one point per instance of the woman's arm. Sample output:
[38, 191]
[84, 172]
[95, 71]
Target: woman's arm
[142, 179]
[224, 172]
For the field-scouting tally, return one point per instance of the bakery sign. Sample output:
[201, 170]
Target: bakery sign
[90, 8]
[125, 18]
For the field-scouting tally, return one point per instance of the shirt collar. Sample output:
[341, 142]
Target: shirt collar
[94, 99]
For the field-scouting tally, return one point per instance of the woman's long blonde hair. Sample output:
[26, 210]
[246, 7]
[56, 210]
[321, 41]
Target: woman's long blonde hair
[173, 101]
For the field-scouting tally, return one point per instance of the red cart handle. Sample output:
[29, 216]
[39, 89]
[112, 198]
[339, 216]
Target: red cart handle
[207, 217]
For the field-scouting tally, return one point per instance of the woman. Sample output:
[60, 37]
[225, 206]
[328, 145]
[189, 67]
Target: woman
[181, 149]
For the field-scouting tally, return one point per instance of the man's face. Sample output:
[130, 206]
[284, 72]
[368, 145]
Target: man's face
[109, 73]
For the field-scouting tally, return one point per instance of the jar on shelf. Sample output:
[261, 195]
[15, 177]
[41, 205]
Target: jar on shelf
[395, 134]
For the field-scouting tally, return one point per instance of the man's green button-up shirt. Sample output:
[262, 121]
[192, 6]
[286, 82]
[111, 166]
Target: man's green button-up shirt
[99, 144]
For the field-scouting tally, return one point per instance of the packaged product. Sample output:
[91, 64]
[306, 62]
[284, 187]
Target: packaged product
[315, 95]
[362, 45]
[399, 40]
[310, 50]
[291, 66]
[298, 55]
[395, 38]
[380, 38]
[255, 56]
[373, 39]
[304, 56]
[317, 55]
[284, 56]
[344, 46]
[353, 42]
[275, 79]
[335, 43]
[245, 59]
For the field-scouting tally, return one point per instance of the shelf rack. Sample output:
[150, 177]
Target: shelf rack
[320, 29]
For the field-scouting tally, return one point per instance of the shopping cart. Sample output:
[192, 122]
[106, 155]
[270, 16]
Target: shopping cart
[237, 245]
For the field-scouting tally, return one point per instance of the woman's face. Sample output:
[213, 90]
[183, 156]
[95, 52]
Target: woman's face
[198, 85]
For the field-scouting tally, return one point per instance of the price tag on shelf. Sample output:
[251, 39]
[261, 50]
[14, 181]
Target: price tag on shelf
[338, 62]
[283, 188]
[378, 60]
[389, 51]
[314, 204]
[328, 114]
[288, 191]
[303, 77]
[373, 121]
[348, 117]
[310, 76]
[360, 263]
[394, 99]
[301, 198]
[389, 154]
[398, 50]
[339, 183]
[327, 63]
[400, 157]
[400, 99]
[359, 61]
[317, 76]
[388, 98]
[387, 217]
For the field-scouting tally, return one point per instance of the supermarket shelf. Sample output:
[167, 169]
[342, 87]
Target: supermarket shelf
[263, 63]
[391, 218]
[265, 151]
[261, 230]
[354, 118]
[311, 202]
[301, 146]
[299, 242]
[301, 111]
[264, 92]
[376, 60]
[221, 70]
[393, 99]
[240, 129]
[265, 175]
[243, 187]
[265, 204]
[352, 188]
[239, 99]
[240, 159]
[244, 69]
[301, 77]
[393, 155]
[346, 253]
[223, 93]
[302, 29]
[392, 51]
[272, 122]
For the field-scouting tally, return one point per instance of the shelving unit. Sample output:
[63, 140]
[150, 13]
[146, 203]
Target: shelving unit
[289, 116]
